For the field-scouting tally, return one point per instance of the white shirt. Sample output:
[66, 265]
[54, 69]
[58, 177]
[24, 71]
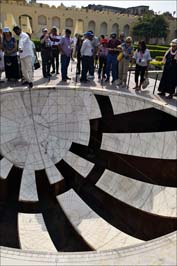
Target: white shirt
[87, 48]
[25, 45]
[33, 51]
[55, 39]
[142, 59]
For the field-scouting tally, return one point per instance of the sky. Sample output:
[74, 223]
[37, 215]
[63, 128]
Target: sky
[156, 5]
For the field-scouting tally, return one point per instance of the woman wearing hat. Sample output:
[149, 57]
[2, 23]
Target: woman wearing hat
[124, 60]
[10, 56]
[168, 81]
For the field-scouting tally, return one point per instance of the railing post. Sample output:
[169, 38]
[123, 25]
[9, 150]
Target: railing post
[155, 82]
[129, 78]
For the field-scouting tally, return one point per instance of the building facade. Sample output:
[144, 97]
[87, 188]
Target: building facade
[33, 17]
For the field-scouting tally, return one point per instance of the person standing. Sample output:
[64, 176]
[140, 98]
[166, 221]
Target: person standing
[102, 56]
[46, 53]
[127, 54]
[87, 55]
[112, 62]
[33, 47]
[66, 50]
[168, 82]
[10, 56]
[142, 58]
[121, 37]
[55, 38]
[25, 52]
[94, 58]
[78, 53]
[1, 55]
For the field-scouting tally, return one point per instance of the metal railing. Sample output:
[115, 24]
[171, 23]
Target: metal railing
[157, 72]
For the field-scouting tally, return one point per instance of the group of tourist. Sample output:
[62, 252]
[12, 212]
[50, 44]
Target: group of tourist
[113, 55]
[15, 66]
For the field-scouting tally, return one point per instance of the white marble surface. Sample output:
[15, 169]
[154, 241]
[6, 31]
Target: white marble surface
[39, 124]
[161, 251]
[153, 145]
[81, 165]
[123, 104]
[28, 190]
[33, 233]
[5, 167]
[37, 130]
[151, 198]
[95, 230]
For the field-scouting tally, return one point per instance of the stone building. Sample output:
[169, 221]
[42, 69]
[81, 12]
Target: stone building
[136, 10]
[33, 17]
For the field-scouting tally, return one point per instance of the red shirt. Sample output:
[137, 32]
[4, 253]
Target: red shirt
[113, 43]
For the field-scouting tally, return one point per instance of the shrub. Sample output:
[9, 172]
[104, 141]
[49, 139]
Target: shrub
[37, 44]
[157, 64]
[157, 47]
[154, 47]
[159, 58]
[155, 53]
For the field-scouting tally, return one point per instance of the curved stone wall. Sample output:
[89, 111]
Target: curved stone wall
[84, 170]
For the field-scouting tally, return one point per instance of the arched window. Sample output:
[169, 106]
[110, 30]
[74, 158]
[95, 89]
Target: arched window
[103, 28]
[115, 28]
[25, 23]
[126, 30]
[25, 16]
[69, 23]
[79, 26]
[56, 22]
[91, 26]
[42, 20]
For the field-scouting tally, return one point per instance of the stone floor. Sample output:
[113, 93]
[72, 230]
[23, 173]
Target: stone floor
[37, 129]
[150, 91]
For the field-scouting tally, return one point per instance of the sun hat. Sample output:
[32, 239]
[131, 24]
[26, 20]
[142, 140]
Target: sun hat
[173, 42]
[128, 39]
[45, 29]
[5, 29]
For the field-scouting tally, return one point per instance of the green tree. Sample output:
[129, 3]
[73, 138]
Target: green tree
[149, 26]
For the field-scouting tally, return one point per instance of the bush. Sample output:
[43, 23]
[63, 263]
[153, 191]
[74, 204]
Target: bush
[155, 53]
[157, 47]
[157, 64]
[159, 58]
[154, 47]
[37, 44]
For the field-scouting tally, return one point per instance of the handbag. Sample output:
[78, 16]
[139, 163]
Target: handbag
[145, 82]
[36, 63]
[120, 57]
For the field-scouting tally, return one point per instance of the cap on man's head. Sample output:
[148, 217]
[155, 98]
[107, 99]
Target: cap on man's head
[54, 28]
[88, 34]
[113, 34]
[45, 29]
[5, 29]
